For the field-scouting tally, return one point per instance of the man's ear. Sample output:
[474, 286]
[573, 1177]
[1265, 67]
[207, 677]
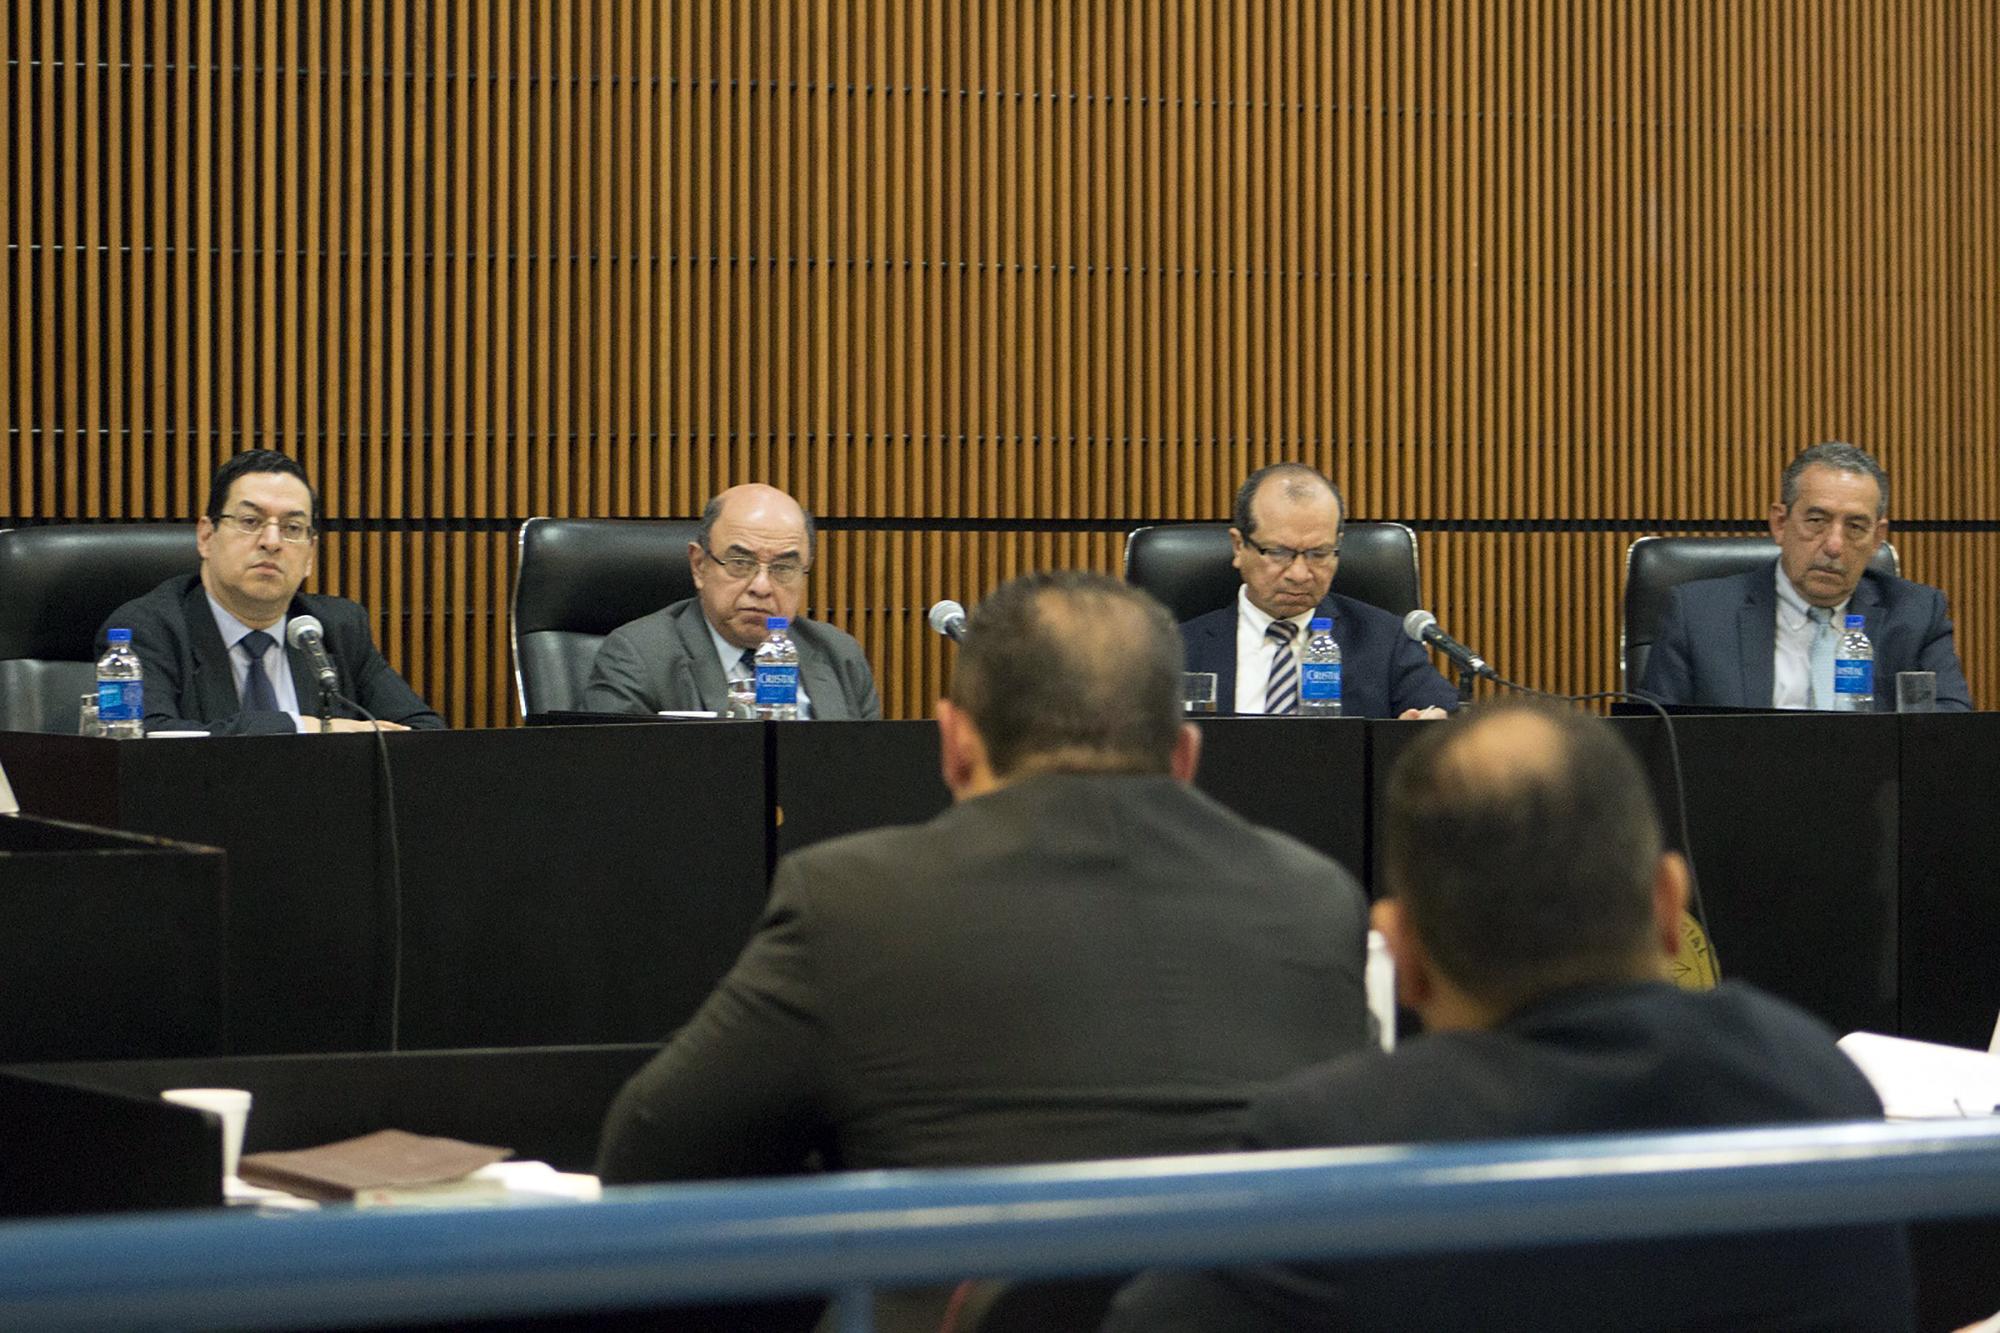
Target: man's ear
[697, 563]
[1670, 900]
[961, 750]
[1187, 753]
[1414, 982]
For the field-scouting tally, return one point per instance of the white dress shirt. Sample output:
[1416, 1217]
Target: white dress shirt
[1255, 651]
[1791, 664]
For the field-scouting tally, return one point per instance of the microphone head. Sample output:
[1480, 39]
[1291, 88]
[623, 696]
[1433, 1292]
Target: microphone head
[944, 613]
[299, 627]
[1415, 623]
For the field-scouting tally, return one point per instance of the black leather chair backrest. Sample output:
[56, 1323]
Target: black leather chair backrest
[1186, 566]
[578, 579]
[1654, 565]
[57, 584]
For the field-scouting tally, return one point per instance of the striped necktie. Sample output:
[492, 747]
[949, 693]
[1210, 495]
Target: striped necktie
[1282, 694]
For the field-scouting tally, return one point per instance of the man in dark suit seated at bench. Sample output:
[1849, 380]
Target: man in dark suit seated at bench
[1287, 542]
[213, 643]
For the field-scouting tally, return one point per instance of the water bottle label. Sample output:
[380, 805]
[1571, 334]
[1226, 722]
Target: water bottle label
[1853, 675]
[121, 700]
[1319, 682]
[777, 686]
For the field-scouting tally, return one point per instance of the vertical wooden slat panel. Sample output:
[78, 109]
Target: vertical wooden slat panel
[1536, 275]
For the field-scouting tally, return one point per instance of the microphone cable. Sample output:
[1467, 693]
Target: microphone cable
[386, 818]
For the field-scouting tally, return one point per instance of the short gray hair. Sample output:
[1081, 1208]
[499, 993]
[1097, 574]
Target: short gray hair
[1842, 457]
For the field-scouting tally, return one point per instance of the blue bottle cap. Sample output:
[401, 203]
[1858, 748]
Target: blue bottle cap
[1855, 622]
[1322, 622]
[777, 622]
[118, 636]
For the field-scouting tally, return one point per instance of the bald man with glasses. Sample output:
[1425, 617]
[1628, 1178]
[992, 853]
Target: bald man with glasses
[1288, 521]
[750, 558]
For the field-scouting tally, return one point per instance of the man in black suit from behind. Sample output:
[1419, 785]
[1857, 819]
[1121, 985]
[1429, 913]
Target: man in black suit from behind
[1286, 536]
[212, 644]
[1532, 912]
[1083, 957]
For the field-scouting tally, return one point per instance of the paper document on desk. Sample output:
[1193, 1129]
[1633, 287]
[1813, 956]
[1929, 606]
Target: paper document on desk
[1921, 1080]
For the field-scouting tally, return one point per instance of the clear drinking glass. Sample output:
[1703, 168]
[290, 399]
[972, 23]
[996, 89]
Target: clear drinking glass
[1916, 691]
[1198, 691]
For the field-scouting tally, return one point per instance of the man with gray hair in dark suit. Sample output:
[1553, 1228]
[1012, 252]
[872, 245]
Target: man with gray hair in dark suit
[1767, 638]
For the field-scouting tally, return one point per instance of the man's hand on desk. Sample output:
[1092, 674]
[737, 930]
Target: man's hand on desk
[1432, 714]
[354, 724]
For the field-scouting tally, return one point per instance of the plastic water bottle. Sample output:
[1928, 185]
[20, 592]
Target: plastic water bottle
[1319, 671]
[1854, 670]
[777, 673]
[121, 688]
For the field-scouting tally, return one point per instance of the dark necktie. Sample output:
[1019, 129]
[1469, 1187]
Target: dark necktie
[257, 692]
[1282, 694]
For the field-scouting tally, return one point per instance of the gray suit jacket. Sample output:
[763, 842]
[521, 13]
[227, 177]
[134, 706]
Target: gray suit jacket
[667, 660]
[1718, 638]
[1066, 968]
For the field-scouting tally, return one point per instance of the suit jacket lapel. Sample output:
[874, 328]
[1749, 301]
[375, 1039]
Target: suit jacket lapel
[822, 686]
[214, 684]
[1757, 635]
[1219, 654]
[711, 688]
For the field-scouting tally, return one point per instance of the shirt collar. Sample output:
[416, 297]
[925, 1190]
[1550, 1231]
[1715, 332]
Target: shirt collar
[727, 653]
[1800, 609]
[232, 630]
[1258, 619]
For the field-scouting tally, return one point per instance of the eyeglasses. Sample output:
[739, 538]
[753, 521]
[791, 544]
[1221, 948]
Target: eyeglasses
[784, 571]
[295, 531]
[1319, 557]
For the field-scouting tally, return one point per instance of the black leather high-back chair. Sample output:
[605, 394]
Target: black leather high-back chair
[1654, 565]
[1186, 566]
[57, 584]
[578, 579]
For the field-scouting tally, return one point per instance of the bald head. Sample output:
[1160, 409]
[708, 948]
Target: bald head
[760, 529]
[1071, 672]
[1522, 844]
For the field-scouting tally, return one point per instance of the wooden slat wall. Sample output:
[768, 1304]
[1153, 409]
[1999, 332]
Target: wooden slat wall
[984, 281]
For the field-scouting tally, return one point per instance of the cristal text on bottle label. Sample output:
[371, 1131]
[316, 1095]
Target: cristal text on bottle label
[1319, 680]
[777, 686]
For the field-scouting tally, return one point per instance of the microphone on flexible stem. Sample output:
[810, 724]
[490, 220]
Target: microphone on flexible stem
[306, 634]
[948, 619]
[1422, 626]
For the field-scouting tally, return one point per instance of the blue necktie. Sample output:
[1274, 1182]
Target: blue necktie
[1282, 694]
[1819, 693]
[258, 695]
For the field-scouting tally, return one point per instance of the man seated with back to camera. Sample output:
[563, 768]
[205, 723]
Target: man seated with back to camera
[1083, 957]
[212, 644]
[750, 557]
[1533, 911]
[1286, 535]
